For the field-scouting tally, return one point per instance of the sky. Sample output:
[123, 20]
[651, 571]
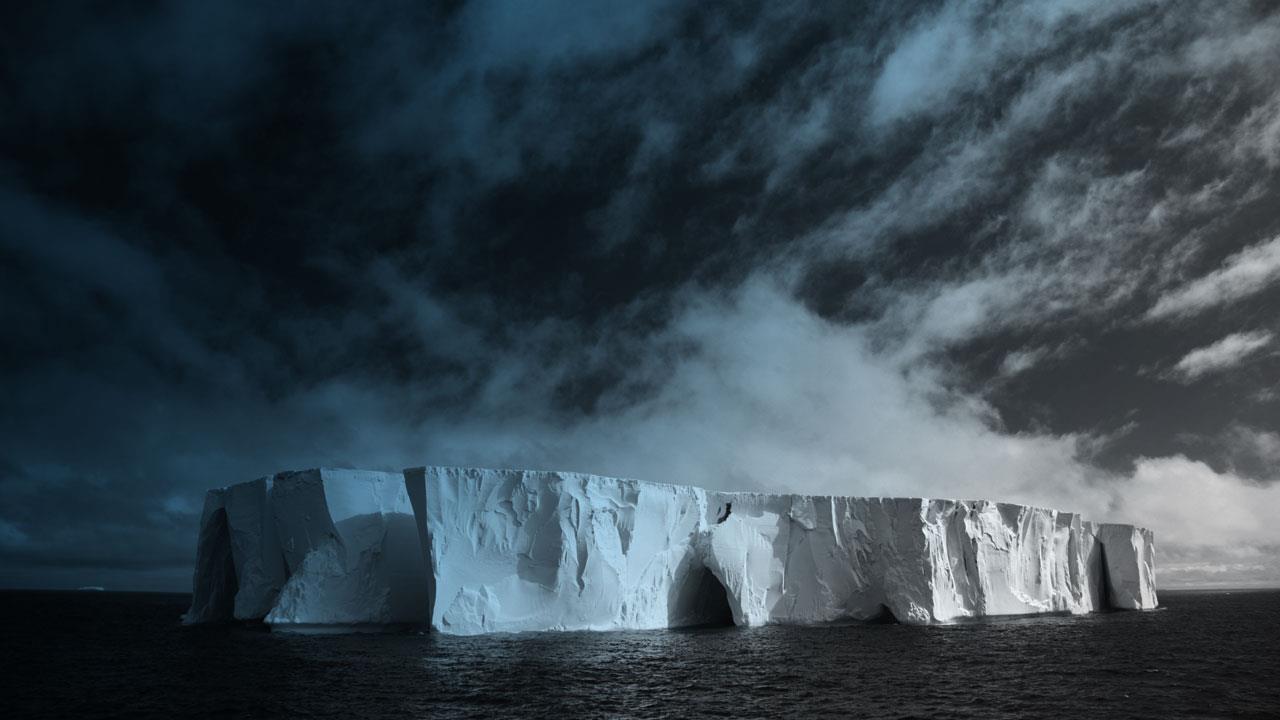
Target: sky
[1024, 251]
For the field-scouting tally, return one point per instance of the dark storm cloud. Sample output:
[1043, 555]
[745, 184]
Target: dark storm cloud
[1015, 250]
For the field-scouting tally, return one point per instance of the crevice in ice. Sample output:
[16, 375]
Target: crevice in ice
[728, 508]
[1104, 579]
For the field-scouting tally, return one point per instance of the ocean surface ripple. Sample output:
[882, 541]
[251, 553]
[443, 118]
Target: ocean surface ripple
[87, 655]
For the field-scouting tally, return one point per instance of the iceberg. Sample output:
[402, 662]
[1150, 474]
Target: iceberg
[467, 551]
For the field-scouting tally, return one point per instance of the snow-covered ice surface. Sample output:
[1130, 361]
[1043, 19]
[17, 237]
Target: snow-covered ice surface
[470, 551]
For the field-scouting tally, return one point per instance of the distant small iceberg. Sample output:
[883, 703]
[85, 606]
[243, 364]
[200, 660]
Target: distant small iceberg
[91, 588]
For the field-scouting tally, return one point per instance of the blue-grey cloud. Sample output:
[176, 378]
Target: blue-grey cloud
[894, 249]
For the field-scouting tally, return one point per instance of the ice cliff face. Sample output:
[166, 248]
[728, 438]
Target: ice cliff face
[317, 547]
[472, 551]
[806, 559]
[560, 551]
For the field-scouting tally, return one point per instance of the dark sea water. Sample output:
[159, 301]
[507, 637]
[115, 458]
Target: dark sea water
[124, 655]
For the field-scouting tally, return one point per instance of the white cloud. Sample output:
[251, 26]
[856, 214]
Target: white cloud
[1023, 359]
[1231, 43]
[926, 66]
[1244, 273]
[1258, 136]
[1020, 361]
[1251, 445]
[962, 47]
[1187, 503]
[1225, 353]
[766, 395]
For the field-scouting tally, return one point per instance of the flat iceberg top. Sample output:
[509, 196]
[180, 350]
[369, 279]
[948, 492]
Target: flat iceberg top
[532, 475]
[469, 550]
[352, 476]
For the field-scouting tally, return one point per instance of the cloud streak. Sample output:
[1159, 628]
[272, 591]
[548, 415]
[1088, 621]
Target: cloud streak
[1242, 274]
[1224, 354]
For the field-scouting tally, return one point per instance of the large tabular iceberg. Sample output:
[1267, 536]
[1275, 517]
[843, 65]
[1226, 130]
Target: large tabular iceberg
[470, 551]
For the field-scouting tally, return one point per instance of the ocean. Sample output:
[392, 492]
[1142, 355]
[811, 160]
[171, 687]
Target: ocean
[125, 655]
